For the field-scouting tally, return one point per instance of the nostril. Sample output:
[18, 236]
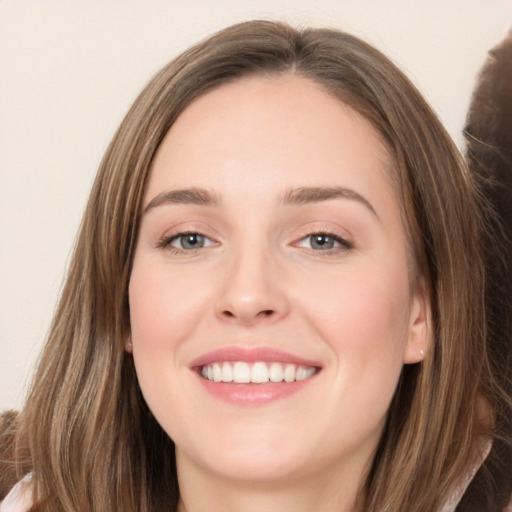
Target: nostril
[264, 313]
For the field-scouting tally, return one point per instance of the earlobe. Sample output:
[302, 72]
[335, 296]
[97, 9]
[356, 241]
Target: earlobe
[128, 344]
[418, 339]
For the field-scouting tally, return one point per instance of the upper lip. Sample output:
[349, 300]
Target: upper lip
[251, 355]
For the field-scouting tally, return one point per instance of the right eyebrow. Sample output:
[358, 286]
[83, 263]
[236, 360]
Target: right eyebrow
[192, 195]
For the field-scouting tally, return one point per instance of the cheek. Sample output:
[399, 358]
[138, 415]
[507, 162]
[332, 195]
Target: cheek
[163, 315]
[164, 306]
[363, 314]
[365, 322]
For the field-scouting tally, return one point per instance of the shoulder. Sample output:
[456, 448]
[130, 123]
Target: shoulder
[19, 498]
[458, 491]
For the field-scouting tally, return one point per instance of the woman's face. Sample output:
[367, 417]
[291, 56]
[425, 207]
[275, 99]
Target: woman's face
[270, 302]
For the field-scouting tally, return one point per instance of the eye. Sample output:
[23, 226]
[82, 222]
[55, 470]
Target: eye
[324, 242]
[186, 241]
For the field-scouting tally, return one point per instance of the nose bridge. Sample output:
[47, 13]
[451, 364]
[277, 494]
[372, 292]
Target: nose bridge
[251, 290]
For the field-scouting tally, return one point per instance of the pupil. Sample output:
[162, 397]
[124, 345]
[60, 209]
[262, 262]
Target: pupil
[192, 240]
[322, 242]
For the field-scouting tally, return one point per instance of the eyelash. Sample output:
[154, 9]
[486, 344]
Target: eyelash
[166, 242]
[343, 245]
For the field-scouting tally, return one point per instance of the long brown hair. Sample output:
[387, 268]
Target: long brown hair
[94, 445]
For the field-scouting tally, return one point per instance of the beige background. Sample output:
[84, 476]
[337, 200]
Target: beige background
[69, 70]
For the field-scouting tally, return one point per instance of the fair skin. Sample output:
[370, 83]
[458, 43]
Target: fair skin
[271, 233]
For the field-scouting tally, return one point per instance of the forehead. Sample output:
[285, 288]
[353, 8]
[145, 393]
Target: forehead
[286, 130]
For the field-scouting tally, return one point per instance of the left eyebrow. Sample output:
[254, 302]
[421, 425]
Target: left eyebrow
[305, 195]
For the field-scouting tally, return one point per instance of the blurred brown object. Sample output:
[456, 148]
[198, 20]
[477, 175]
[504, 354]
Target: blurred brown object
[8, 476]
[488, 134]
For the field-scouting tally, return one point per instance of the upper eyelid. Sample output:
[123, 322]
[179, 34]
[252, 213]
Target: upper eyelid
[319, 228]
[343, 241]
[165, 240]
[173, 236]
[189, 227]
[309, 229]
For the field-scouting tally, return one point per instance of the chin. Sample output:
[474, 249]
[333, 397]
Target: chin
[258, 455]
[258, 468]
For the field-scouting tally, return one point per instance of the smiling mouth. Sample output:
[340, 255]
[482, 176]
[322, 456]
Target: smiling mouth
[241, 372]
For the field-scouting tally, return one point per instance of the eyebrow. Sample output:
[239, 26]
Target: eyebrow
[192, 195]
[297, 196]
[305, 195]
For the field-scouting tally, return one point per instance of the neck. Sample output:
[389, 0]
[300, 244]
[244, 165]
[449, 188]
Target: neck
[333, 492]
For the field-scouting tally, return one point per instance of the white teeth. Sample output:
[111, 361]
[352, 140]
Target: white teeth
[289, 373]
[258, 373]
[241, 372]
[276, 372]
[304, 373]
[217, 373]
[227, 372]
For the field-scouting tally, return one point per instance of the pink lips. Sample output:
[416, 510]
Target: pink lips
[251, 355]
[251, 394]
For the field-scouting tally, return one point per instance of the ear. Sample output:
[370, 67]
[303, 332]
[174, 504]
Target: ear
[418, 339]
[128, 346]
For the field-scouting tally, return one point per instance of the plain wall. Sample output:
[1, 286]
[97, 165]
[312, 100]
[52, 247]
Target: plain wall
[69, 71]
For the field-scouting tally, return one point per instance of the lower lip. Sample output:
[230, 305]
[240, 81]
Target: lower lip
[254, 394]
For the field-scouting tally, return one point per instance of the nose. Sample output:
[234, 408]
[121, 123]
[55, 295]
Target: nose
[252, 290]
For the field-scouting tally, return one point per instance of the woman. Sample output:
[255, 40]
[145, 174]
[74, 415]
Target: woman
[276, 297]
